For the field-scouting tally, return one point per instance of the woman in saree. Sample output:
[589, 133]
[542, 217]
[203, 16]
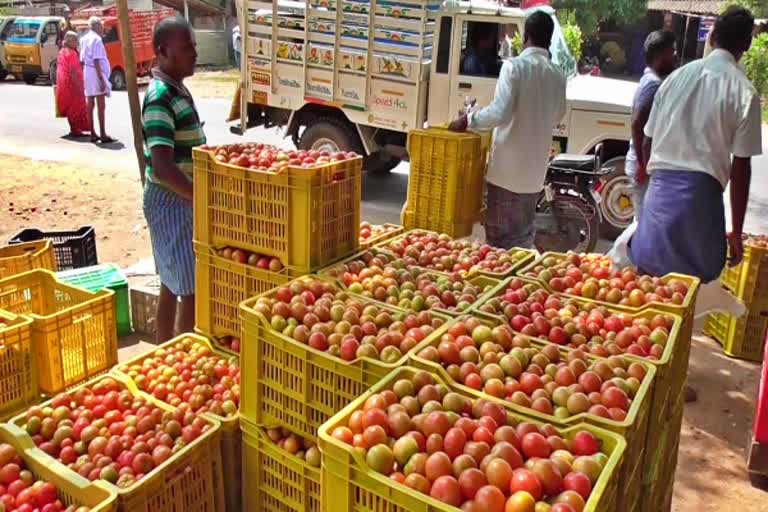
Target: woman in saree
[70, 92]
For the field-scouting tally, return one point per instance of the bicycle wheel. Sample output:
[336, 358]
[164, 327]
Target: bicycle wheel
[568, 223]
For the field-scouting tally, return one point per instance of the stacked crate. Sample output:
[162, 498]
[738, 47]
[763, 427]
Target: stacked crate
[446, 180]
[255, 230]
[744, 337]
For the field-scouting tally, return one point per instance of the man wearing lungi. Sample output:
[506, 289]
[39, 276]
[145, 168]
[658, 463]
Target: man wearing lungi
[96, 71]
[171, 129]
[703, 130]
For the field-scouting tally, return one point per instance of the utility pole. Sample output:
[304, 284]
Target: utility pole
[126, 42]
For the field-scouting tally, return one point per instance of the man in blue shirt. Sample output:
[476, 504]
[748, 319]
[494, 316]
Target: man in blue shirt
[660, 58]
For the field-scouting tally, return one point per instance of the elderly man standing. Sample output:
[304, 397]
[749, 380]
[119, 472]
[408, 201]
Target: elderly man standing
[97, 71]
[703, 130]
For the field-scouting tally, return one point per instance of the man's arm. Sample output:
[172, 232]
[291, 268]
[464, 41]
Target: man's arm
[741, 175]
[165, 170]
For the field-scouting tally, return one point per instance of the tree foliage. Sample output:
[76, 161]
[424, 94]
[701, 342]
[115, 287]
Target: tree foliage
[590, 13]
[756, 63]
[572, 34]
[759, 8]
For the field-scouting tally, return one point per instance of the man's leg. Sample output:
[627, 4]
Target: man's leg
[521, 217]
[496, 225]
[166, 315]
[187, 314]
[101, 105]
[89, 107]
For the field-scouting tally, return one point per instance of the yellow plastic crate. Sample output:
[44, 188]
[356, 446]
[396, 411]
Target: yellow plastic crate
[748, 280]
[376, 240]
[18, 374]
[455, 229]
[446, 178]
[18, 258]
[221, 285]
[74, 335]
[660, 479]
[305, 217]
[633, 429]
[230, 442]
[71, 489]
[743, 338]
[191, 479]
[284, 382]
[349, 484]
[277, 480]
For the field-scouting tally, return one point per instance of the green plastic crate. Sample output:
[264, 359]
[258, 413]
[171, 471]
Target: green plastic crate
[99, 277]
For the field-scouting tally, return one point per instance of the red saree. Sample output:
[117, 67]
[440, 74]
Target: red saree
[70, 94]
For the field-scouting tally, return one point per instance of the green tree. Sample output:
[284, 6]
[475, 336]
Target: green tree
[756, 63]
[572, 34]
[590, 13]
[759, 8]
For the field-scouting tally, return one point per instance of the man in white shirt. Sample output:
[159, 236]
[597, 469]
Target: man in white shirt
[528, 102]
[703, 130]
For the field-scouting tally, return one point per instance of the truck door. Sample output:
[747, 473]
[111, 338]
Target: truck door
[482, 44]
[49, 44]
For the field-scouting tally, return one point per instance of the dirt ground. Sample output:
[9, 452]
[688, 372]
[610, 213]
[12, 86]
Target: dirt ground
[711, 473]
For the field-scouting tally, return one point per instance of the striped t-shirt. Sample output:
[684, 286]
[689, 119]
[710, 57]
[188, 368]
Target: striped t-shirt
[169, 118]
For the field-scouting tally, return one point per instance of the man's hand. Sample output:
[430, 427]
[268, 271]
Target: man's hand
[641, 176]
[736, 244]
[459, 125]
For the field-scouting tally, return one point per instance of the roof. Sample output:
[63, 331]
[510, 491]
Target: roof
[713, 7]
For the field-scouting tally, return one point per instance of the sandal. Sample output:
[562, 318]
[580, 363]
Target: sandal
[95, 140]
[107, 140]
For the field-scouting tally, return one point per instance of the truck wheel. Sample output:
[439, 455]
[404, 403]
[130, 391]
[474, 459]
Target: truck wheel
[52, 73]
[118, 80]
[29, 78]
[330, 134]
[616, 204]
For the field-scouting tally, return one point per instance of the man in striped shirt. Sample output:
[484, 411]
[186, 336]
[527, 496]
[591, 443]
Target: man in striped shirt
[171, 129]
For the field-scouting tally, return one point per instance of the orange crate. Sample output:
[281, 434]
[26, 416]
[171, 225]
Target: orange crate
[230, 426]
[71, 490]
[307, 218]
[18, 258]
[191, 479]
[18, 374]
[74, 334]
[290, 384]
[221, 285]
[278, 481]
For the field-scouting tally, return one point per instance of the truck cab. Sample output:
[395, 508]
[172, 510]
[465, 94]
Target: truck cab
[32, 45]
[5, 23]
[408, 72]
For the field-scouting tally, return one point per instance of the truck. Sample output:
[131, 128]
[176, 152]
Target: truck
[359, 75]
[32, 45]
[142, 25]
[5, 24]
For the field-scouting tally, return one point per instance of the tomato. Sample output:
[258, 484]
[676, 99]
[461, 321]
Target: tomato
[446, 489]
[490, 498]
[525, 480]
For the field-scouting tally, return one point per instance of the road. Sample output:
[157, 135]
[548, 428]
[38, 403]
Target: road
[28, 128]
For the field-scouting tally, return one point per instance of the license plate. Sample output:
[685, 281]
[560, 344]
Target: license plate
[596, 196]
[16, 69]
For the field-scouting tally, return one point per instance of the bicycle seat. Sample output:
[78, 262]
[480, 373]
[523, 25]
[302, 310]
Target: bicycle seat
[574, 162]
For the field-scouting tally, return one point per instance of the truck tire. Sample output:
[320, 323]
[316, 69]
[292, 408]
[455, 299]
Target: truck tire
[117, 79]
[616, 204]
[29, 78]
[330, 134]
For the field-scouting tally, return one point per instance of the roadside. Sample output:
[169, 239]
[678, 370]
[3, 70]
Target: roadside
[213, 83]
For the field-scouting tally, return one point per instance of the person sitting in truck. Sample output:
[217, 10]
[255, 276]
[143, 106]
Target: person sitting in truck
[528, 102]
[171, 127]
[482, 55]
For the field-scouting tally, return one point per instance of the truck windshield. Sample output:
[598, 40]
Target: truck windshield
[23, 31]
